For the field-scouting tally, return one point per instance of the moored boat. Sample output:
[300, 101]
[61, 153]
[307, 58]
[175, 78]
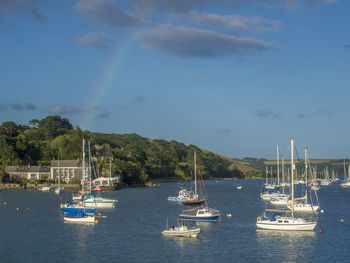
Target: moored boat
[202, 214]
[181, 231]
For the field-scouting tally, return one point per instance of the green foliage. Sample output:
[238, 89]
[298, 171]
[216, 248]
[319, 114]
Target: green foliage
[136, 159]
[53, 126]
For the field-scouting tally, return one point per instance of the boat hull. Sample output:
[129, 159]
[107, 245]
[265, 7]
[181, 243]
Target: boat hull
[199, 219]
[193, 202]
[186, 233]
[80, 219]
[292, 226]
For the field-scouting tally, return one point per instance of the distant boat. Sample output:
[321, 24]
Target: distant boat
[239, 187]
[284, 219]
[46, 188]
[346, 182]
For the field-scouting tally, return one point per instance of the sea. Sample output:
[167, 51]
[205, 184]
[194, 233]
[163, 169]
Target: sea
[32, 228]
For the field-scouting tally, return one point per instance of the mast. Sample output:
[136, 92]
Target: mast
[292, 171]
[195, 176]
[266, 175]
[306, 175]
[283, 175]
[83, 173]
[90, 173]
[278, 166]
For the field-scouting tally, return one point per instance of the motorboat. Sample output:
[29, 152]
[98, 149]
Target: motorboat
[202, 214]
[181, 231]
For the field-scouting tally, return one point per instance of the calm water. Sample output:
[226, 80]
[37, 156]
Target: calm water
[132, 231]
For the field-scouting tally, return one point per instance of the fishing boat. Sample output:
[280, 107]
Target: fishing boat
[181, 231]
[195, 199]
[285, 219]
[201, 214]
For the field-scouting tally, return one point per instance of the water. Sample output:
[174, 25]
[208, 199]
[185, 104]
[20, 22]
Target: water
[132, 231]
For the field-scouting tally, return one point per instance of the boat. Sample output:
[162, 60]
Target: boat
[59, 189]
[346, 182]
[239, 187]
[182, 195]
[46, 188]
[285, 219]
[79, 217]
[302, 204]
[89, 199]
[181, 231]
[194, 199]
[201, 214]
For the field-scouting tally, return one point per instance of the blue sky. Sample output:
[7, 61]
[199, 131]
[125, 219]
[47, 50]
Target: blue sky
[235, 77]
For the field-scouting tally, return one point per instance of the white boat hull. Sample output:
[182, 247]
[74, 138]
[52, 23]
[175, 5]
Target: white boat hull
[176, 232]
[84, 219]
[305, 208]
[292, 225]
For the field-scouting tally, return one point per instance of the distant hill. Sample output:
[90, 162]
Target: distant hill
[136, 159]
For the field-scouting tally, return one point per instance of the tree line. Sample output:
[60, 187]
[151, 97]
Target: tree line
[136, 159]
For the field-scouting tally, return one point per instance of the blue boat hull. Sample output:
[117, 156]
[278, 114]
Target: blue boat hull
[78, 210]
[200, 219]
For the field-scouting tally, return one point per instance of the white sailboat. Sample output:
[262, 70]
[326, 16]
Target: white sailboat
[302, 204]
[282, 219]
[346, 182]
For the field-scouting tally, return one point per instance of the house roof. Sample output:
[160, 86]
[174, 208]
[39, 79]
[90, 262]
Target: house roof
[65, 163]
[27, 169]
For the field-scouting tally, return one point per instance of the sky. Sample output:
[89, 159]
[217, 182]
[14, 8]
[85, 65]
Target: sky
[236, 77]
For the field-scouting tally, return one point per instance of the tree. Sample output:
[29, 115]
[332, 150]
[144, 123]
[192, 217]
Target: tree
[34, 123]
[10, 128]
[53, 126]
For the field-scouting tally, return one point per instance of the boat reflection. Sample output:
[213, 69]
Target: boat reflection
[288, 246]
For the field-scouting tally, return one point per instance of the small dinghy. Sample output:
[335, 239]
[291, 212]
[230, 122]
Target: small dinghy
[181, 231]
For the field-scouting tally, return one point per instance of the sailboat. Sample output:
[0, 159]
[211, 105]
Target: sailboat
[194, 199]
[90, 199]
[302, 204]
[59, 189]
[285, 219]
[346, 182]
[79, 214]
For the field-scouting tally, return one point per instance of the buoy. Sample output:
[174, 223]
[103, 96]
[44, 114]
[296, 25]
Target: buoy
[28, 208]
[99, 214]
[342, 220]
[221, 221]
[5, 203]
[61, 205]
[322, 211]
[96, 221]
[17, 208]
[228, 215]
[321, 231]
